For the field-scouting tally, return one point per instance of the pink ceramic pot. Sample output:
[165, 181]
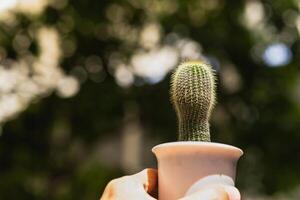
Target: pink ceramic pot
[181, 164]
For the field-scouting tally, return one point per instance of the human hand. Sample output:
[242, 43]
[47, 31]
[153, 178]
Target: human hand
[143, 186]
[140, 186]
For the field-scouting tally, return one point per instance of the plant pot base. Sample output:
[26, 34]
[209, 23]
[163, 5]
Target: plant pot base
[181, 164]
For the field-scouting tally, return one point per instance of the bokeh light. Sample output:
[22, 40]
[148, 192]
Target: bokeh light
[277, 54]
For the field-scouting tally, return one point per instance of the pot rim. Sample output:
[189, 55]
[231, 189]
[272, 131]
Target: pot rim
[197, 145]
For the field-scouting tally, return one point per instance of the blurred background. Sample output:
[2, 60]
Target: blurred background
[84, 90]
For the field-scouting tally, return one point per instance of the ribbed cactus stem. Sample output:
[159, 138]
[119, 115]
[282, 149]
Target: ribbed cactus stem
[193, 97]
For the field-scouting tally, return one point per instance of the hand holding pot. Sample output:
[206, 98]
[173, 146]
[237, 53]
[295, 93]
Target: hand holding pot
[193, 167]
[143, 186]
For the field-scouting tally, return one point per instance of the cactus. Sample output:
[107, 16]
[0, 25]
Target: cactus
[193, 97]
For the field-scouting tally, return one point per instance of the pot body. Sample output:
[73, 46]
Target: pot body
[181, 164]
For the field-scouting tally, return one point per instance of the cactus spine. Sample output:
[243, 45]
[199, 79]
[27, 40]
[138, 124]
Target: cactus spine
[193, 97]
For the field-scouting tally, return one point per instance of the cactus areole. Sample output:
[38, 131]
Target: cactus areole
[193, 97]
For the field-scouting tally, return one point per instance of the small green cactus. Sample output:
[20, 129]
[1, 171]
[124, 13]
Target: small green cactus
[193, 97]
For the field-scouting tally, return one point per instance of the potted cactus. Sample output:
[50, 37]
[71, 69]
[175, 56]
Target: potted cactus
[181, 164]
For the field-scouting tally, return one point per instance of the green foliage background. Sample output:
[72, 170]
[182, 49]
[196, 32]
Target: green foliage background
[44, 152]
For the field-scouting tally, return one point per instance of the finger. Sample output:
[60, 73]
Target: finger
[232, 192]
[132, 187]
[109, 192]
[149, 179]
[214, 193]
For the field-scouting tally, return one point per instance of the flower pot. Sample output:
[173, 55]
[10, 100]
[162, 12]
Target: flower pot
[181, 164]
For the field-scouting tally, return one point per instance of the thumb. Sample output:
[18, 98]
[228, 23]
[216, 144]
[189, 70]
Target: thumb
[211, 193]
[232, 192]
[216, 192]
[149, 180]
